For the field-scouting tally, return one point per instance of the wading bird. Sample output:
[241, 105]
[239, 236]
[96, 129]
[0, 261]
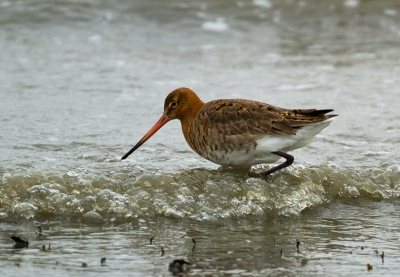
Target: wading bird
[238, 132]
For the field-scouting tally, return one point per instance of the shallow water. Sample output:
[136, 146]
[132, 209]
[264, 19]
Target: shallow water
[335, 240]
[83, 81]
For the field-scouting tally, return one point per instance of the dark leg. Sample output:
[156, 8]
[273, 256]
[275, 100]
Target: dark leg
[289, 161]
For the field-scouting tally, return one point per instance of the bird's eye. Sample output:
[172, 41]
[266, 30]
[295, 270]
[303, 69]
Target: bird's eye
[173, 104]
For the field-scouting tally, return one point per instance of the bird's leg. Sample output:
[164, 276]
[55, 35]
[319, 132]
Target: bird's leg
[289, 161]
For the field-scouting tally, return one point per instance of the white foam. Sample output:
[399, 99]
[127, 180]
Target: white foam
[351, 3]
[217, 26]
[95, 38]
[263, 3]
[390, 12]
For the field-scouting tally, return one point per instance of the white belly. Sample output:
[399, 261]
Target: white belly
[266, 145]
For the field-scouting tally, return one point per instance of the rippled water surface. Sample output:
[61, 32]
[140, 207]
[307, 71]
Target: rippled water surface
[82, 81]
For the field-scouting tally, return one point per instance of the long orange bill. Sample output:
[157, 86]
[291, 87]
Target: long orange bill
[164, 119]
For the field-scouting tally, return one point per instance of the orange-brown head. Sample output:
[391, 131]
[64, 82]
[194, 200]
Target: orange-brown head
[181, 104]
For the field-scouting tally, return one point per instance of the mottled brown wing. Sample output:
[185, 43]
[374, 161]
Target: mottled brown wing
[299, 118]
[243, 117]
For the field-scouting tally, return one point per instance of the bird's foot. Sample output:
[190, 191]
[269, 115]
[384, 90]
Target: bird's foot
[288, 162]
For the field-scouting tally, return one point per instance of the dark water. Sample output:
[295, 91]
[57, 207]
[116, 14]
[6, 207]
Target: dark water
[338, 239]
[82, 81]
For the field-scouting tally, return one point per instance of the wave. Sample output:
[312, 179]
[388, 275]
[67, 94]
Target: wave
[198, 194]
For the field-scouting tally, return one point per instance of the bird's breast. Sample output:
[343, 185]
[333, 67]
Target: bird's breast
[230, 150]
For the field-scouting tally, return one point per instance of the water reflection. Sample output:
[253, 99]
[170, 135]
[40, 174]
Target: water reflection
[337, 240]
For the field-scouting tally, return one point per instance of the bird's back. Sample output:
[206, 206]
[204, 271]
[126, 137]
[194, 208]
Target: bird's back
[243, 127]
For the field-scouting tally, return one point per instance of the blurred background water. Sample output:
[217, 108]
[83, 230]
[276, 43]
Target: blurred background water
[82, 81]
